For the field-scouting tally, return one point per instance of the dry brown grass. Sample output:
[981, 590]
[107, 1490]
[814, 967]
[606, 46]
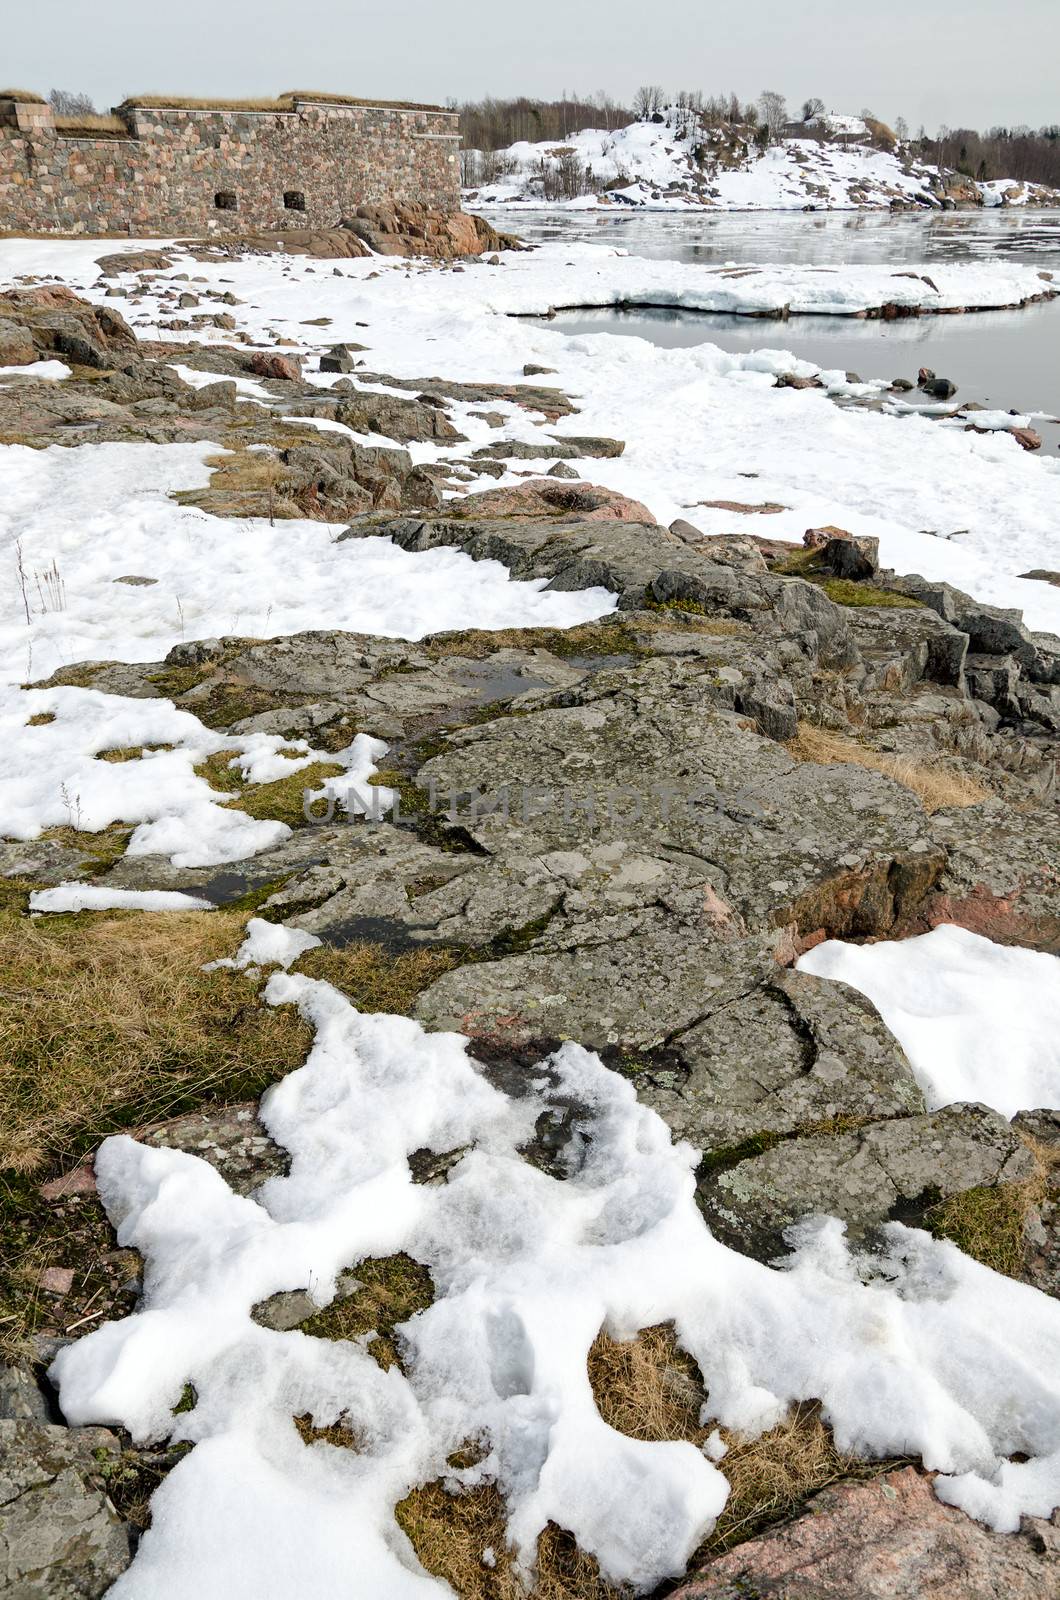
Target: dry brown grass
[392, 1289]
[449, 1532]
[647, 1387]
[107, 1021]
[651, 1389]
[283, 800]
[990, 1223]
[24, 97]
[376, 979]
[131, 752]
[244, 483]
[284, 102]
[932, 784]
[94, 125]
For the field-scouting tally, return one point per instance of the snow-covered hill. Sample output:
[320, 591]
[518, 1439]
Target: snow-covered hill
[676, 163]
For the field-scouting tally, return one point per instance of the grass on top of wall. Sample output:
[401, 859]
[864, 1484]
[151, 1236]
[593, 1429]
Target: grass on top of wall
[93, 126]
[284, 102]
[24, 97]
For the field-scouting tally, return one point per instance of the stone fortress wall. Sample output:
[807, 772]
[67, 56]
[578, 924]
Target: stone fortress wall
[163, 170]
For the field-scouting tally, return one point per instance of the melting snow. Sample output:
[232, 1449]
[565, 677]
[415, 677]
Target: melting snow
[979, 1021]
[919, 1351]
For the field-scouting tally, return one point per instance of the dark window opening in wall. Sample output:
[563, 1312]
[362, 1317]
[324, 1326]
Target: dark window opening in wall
[226, 200]
[294, 200]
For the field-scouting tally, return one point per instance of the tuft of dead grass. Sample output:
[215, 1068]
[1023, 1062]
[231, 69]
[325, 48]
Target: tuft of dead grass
[244, 483]
[377, 979]
[108, 1021]
[392, 1289]
[283, 800]
[933, 785]
[131, 752]
[649, 1388]
[105, 847]
[95, 126]
[341, 1434]
[450, 1528]
[23, 97]
[988, 1223]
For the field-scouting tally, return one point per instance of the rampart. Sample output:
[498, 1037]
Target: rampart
[150, 169]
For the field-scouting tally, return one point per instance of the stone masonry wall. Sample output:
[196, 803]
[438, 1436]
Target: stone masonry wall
[183, 171]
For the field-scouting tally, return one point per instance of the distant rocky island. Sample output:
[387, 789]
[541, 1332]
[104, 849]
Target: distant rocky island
[675, 159]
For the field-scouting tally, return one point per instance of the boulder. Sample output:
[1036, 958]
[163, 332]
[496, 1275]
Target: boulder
[133, 261]
[230, 1138]
[418, 230]
[856, 559]
[397, 418]
[16, 345]
[796, 1052]
[269, 364]
[939, 388]
[890, 1538]
[886, 1171]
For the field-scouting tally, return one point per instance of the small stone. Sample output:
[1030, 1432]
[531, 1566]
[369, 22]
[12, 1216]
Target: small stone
[82, 1180]
[56, 1280]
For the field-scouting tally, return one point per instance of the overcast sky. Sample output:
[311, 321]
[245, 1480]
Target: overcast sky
[963, 62]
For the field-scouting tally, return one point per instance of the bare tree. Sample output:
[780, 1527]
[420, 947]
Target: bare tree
[774, 111]
[648, 101]
[901, 128]
[812, 108]
[70, 103]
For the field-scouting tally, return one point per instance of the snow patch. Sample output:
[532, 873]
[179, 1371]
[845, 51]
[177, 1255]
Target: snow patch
[89, 897]
[978, 1021]
[915, 1350]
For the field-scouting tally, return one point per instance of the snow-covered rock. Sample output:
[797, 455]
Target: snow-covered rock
[679, 162]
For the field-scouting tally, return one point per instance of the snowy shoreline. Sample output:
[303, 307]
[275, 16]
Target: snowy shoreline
[909, 1346]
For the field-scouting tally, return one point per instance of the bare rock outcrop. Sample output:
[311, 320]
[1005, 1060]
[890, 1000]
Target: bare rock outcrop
[887, 1539]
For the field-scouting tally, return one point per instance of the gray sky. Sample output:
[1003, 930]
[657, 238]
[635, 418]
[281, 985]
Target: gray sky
[963, 62]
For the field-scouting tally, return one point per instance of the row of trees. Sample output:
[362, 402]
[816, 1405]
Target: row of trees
[494, 124]
[1029, 155]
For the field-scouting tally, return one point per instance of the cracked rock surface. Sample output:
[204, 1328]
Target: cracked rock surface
[59, 1534]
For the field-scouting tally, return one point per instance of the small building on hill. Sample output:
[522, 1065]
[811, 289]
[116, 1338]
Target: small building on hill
[164, 166]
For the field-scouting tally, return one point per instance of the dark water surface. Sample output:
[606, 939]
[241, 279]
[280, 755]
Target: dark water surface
[865, 238]
[1006, 360]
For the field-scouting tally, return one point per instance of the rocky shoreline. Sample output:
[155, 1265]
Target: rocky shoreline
[623, 833]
